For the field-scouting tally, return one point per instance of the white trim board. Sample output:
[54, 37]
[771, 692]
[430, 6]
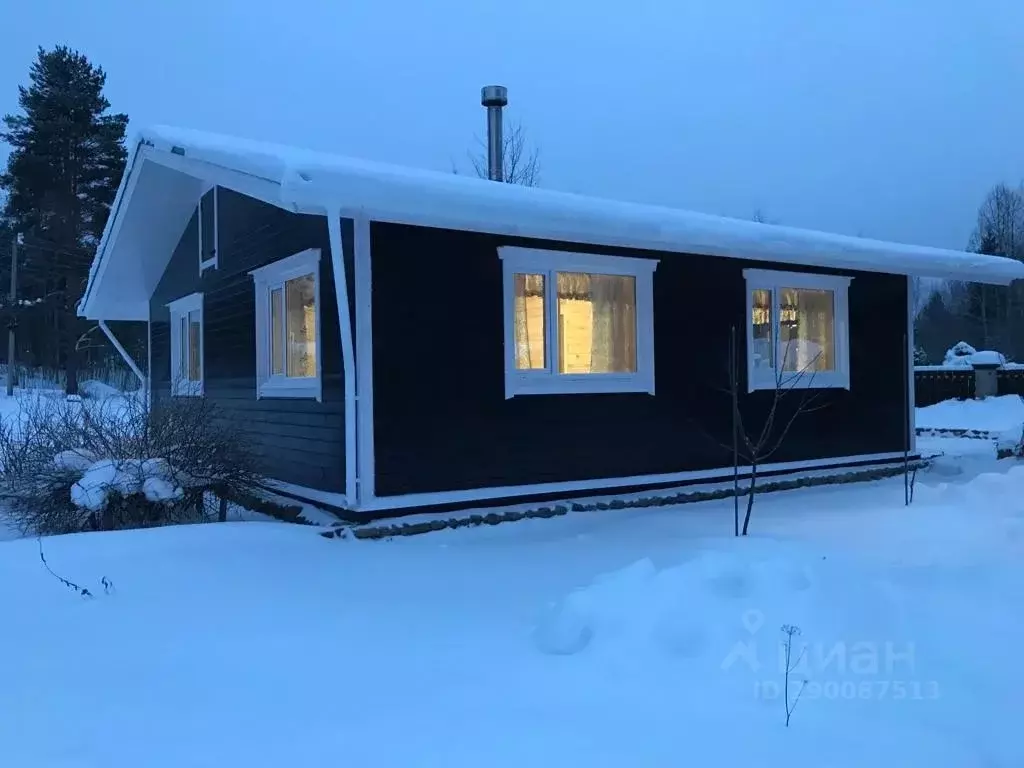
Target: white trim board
[911, 405]
[364, 360]
[663, 493]
[348, 355]
[212, 262]
[149, 362]
[439, 498]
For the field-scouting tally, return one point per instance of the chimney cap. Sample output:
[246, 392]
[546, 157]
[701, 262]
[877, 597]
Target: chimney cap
[494, 96]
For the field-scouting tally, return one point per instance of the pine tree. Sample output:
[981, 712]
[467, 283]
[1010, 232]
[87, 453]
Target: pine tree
[67, 157]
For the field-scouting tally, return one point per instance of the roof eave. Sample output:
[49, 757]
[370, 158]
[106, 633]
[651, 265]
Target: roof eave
[176, 158]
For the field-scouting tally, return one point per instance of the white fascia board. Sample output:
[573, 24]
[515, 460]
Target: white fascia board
[313, 182]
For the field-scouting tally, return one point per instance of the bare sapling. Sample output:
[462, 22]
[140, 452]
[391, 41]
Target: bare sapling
[792, 396]
[790, 631]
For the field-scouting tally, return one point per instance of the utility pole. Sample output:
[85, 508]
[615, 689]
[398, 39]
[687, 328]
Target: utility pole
[12, 317]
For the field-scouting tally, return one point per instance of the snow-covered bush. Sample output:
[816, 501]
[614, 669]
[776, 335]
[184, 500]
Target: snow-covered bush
[959, 355]
[78, 464]
[920, 356]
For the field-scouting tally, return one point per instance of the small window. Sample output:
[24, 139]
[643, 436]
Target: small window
[208, 229]
[797, 330]
[577, 323]
[288, 327]
[187, 345]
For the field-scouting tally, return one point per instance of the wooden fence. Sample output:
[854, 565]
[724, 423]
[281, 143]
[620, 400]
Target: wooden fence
[933, 384]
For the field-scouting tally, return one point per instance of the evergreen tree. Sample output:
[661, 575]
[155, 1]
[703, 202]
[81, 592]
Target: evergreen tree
[936, 329]
[67, 157]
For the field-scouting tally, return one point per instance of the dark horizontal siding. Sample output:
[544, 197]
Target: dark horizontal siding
[299, 440]
[441, 421]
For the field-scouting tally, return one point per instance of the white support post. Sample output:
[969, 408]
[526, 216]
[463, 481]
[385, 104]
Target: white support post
[348, 357]
[123, 352]
[911, 410]
[149, 363]
[364, 350]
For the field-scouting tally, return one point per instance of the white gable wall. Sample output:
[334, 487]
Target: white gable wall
[155, 210]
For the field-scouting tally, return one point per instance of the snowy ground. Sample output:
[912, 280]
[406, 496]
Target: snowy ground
[993, 414]
[623, 638]
[267, 645]
[17, 409]
[996, 422]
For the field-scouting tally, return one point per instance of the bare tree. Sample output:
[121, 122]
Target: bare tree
[520, 161]
[1001, 221]
[994, 315]
[792, 396]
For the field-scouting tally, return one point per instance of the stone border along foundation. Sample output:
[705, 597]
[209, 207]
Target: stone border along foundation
[388, 530]
[976, 434]
[286, 513]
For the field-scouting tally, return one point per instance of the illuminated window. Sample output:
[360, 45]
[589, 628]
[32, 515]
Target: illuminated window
[797, 330]
[577, 323]
[187, 345]
[288, 327]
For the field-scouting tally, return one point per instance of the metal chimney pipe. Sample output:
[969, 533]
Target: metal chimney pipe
[494, 98]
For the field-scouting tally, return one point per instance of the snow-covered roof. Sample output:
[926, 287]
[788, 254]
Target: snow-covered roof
[312, 182]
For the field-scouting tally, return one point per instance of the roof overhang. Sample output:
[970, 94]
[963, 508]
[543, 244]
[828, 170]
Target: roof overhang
[156, 198]
[170, 168]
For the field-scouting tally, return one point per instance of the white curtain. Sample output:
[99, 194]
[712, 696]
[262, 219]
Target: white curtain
[807, 330]
[529, 321]
[613, 343]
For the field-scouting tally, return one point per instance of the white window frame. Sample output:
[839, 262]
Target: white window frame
[209, 263]
[516, 260]
[267, 278]
[179, 309]
[774, 281]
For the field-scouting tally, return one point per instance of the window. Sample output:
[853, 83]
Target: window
[577, 323]
[187, 345]
[208, 229]
[797, 330]
[288, 327]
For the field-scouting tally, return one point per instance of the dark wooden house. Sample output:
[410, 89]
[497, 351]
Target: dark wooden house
[399, 339]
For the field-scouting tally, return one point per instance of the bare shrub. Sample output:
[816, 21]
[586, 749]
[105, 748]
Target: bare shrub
[793, 395]
[789, 630]
[72, 464]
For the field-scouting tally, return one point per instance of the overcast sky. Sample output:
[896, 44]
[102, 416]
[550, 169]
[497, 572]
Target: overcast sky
[887, 118]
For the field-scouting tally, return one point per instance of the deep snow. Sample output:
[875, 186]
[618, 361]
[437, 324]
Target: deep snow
[265, 644]
[1003, 414]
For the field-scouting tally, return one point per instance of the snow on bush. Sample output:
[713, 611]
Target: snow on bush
[152, 478]
[957, 352]
[71, 464]
[74, 460]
